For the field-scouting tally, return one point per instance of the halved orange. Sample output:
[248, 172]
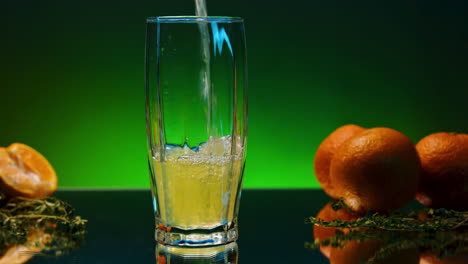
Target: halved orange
[25, 172]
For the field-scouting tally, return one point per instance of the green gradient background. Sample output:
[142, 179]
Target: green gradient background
[72, 80]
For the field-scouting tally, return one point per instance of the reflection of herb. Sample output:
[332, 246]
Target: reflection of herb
[443, 243]
[441, 231]
[21, 219]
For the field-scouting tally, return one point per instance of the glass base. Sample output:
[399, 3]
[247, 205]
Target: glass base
[195, 238]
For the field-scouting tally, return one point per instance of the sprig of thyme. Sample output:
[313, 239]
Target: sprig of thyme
[435, 220]
[22, 218]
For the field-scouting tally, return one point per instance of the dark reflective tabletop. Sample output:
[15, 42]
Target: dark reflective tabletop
[120, 227]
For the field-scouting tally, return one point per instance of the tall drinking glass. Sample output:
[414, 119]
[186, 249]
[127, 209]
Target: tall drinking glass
[196, 114]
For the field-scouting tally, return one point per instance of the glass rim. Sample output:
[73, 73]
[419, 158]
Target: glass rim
[194, 19]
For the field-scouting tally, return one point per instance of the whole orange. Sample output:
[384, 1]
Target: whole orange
[444, 171]
[377, 169]
[328, 214]
[325, 152]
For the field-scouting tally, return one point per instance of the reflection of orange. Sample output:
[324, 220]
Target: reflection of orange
[358, 252]
[461, 258]
[160, 259]
[25, 172]
[355, 252]
[328, 214]
[377, 169]
[325, 152]
[444, 171]
[18, 254]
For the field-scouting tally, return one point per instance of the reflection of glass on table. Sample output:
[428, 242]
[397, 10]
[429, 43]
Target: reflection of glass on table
[196, 123]
[224, 254]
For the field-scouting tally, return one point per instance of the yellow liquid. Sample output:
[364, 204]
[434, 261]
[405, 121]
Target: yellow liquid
[197, 191]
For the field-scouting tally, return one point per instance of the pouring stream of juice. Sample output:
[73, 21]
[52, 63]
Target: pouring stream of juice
[205, 85]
